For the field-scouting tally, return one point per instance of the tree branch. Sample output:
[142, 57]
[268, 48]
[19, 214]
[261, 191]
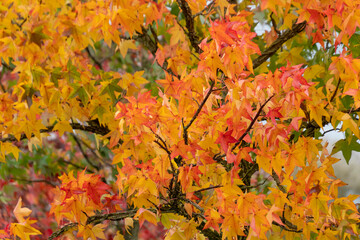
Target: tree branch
[208, 6]
[83, 152]
[251, 124]
[7, 66]
[63, 230]
[35, 181]
[185, 134]
[93, 58]
[194, 39]
[208, 188]
[145, 39]
[334, 94]
[101, 130]
[288, 34]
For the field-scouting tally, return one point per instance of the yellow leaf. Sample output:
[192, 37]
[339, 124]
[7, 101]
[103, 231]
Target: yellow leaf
[20, 212]
[177, 35]
[125, 45]
[293, 56]
[63, 126]
[144, 214]
[129, 223]
[313, 72]
[119, 236]
[348, 122]
[317, 112]
[23, 229]
[7, 148]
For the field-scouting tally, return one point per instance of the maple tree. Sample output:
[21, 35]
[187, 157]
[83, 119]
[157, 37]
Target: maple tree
[178, 114]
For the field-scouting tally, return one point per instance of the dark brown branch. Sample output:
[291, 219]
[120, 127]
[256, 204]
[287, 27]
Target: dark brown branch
[208, 188]
[7, 66]
[334, 94]
[63, 230]
[197, 112]
[75, 165]
[277, 181]
[251, 124]
[84, 153]
[257, 185]
[101, 130]
[145, 39]
[194, 39]
[96, 219]
[35, 181]
[287, 229]
[274, 24]
[288, 34]
[94, 58]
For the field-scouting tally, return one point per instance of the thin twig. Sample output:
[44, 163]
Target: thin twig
[330, 130]
[205, 9]
[7, 66]
[94, 58]
[277, 181]
[83, 152]
[288, 34]
[75, 165]
[101, 130]
[274, 24]
[334, 94]
[252, 123]
[287, 229]
[185, 135]
[259, 184]
[35, 181]
[208, 188]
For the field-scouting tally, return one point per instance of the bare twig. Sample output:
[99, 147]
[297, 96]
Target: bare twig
[288, 34]
[334, 94]
[208, 188]
[277, 181]
[7, 66]
[63, 230]
[251, 124]
[101, 130]
[75, 165]
[287, 229]
[258, 185]
[35, 181]
[207, 8]
[83, 152]
[196, 206]
[274, 24]
[185, 134]
[93, 58]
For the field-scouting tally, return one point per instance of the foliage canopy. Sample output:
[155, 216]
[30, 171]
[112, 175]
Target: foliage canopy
[183, 114]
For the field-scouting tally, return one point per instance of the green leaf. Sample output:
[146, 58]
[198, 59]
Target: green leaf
[80, 92]
[346, 146]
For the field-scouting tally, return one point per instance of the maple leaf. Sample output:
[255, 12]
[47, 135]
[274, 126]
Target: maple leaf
[144, 214]
[225, 139]
[63, 126]
[21, 212]
[125, 45]
[23, 229]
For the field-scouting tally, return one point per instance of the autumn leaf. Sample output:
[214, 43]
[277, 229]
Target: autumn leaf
[225, 139]
[23, 229]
